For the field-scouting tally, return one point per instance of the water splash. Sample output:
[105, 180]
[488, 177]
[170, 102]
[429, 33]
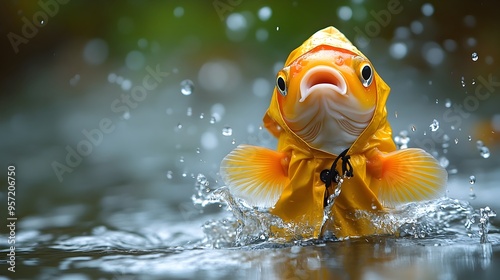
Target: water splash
[327, 219]
[421, 219]
[246, 226]
[482, 218]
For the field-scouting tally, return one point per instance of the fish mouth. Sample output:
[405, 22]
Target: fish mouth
[322, 79]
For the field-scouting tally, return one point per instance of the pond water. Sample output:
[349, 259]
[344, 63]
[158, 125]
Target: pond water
[116, 127]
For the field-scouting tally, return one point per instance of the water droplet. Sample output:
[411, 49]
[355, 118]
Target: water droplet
[462, 81]
[189, 112]
[473, 81]
[187, 87]
[472, 179]
[277, 28]
[484, 152]
[470, 138]
[447, 103]
[456, 140]
[413, 128]
[170, 174]
[227, 131]
[474, 56]
[179, 126]
[202, 116]
[434, 125]
[181, 159]
[212, 120]
[184, 174]
[374, 207]
[437, 101]
[396, 114]
[233, 141]
[42, 22]
[198, 150]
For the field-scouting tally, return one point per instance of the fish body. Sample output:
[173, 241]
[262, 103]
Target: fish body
[328, 106]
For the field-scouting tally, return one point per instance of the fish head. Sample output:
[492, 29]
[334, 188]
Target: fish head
[327, 96]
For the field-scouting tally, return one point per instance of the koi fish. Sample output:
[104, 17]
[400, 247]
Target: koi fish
[328, 114]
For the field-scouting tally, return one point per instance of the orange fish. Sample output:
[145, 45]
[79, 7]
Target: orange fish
[329, 116]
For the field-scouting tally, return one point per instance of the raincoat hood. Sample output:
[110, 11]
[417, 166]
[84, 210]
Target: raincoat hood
[377, 130]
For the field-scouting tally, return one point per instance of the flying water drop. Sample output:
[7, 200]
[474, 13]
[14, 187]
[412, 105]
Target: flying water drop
[187, 87]
[483, 150]
[402, 139]
[434, 126]
[447, 103]
[474, 56]
[227, 131]
[472, 179]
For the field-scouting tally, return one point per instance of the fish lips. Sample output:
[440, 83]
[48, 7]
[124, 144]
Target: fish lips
[322, 80]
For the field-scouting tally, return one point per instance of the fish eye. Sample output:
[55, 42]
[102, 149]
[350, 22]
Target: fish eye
[281, 84]
[366, 75]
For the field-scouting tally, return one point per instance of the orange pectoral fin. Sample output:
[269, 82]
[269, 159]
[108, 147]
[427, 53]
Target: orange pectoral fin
[256, 174]
[406, 175]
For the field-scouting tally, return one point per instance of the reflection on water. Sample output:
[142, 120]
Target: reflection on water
[120, 253]
[439, 239]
